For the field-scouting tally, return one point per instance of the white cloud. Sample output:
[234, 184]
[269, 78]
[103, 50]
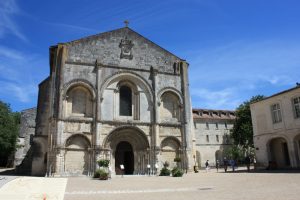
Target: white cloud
[10, 53]
[248, 60]
[215, 99]
[225, 76]
[22, 92]
[17, 82]
[9, 8]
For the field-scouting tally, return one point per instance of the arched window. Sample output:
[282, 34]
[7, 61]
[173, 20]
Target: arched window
[79, 102]
[125, 101]
[169, 109]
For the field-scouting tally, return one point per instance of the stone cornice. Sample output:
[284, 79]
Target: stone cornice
[117, 67]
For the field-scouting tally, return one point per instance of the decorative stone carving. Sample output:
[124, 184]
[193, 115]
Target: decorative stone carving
[126, 49]
[73, 127]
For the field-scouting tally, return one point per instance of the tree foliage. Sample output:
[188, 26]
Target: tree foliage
[242, 132]
[9, 127]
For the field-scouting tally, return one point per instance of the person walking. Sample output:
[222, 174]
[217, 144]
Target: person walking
[225, 164]
[232, 164]
[207, 166]
[247, 162]
[217, 165]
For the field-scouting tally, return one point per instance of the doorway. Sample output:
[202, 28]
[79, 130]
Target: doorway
[124, 156]
[279, 154]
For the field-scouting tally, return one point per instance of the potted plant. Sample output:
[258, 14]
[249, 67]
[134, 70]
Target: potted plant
[177, 172]
[165, 171]
[102, 172]
[103, 175]
[103, 163]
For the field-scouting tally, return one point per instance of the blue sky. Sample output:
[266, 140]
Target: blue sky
[236, 48]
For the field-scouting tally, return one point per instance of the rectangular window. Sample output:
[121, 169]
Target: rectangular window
[225, 125]
[227, 139]
[207, 138]
[207, 125]
[276, 113]
[217, 126]
[217, 138]
[296, 105]
[195, 125]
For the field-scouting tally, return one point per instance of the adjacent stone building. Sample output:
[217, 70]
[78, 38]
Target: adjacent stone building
[114, 95]
[276, 127]
[212, 134]
[26, 133]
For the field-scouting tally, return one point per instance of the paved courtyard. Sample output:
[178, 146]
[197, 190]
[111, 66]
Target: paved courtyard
[209, 186]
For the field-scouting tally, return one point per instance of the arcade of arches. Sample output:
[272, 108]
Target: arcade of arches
[281, 152]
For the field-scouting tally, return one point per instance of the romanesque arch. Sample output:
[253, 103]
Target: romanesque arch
[79, 97]
[169, 150]
[128, 99]
[279, 152]
[77, 155]
[138, 95]
[129, 146]
[170, 106]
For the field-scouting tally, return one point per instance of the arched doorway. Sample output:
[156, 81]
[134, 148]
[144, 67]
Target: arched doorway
[170, 150]
[129, 147]
[124, 156]
[77, 155]
[279, 154]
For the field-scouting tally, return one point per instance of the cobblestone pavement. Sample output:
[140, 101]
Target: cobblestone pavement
[209, 186]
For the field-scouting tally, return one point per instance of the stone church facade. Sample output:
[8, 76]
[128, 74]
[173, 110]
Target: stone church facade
[117, 96]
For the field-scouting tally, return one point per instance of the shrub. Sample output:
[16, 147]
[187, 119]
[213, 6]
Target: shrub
[165, 172]
[97, 173]
[103, 175]
[176, 172]
[103, 163]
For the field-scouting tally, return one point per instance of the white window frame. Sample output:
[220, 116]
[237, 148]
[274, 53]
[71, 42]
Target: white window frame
[276, 113]
[296, 107]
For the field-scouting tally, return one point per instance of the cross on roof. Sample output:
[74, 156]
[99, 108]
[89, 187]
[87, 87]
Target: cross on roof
[126, 22]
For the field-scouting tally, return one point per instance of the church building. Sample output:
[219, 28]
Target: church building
[116, 96]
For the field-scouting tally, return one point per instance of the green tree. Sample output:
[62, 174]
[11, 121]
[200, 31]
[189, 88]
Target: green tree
[242, 132]
[9, 127]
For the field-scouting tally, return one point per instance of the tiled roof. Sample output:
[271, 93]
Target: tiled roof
[213, 114]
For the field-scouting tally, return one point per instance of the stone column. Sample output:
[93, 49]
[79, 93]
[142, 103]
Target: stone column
[155, 127]
[187, 116]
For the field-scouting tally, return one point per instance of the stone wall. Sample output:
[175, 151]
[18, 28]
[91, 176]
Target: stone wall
[212, 135]
[26, 133]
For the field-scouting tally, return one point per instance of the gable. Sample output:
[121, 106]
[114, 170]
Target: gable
[122, 47]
